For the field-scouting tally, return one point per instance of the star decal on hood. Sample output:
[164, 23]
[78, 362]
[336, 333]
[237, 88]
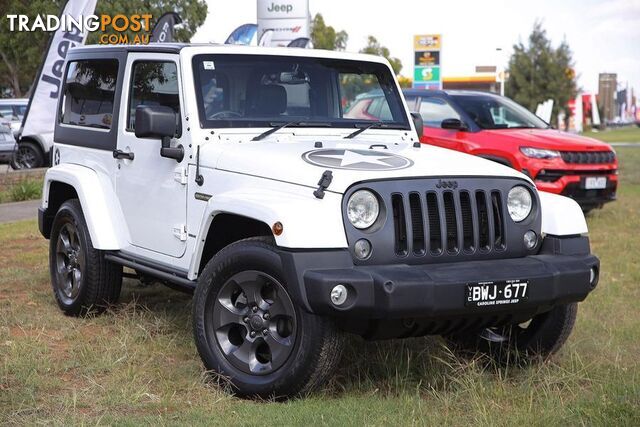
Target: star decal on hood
[356, 159]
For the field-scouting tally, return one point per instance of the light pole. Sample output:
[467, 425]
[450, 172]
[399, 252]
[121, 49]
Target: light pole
[500, 69]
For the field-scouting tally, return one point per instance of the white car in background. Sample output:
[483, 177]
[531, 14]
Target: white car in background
[33, 150]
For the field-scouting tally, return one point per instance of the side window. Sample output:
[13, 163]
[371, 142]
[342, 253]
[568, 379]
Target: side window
[20, 110]
[435, 110]
[6, 111]
[153, 83]
[89, 92]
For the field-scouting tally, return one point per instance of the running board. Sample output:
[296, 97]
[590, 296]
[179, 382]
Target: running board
[172, 279]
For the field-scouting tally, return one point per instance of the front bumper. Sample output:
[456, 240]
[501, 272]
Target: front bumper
[559, 274]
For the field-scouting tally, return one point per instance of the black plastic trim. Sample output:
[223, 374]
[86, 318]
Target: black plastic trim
[174, 278]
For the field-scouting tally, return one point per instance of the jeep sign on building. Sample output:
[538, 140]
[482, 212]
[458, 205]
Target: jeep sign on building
[289, 20]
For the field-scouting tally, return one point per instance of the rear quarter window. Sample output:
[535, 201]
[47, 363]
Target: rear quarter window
[89, 92]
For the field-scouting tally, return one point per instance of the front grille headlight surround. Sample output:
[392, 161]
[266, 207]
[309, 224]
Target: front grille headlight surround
[519, 203]
[363, 209]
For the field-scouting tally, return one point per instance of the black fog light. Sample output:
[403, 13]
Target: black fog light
[362, 249]
[530, 239]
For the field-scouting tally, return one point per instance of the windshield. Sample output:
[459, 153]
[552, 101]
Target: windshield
[266, 90]
[491, 112]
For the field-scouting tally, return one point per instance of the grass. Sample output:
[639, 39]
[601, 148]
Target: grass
[138, 364]
[621, 134]
[25, 189]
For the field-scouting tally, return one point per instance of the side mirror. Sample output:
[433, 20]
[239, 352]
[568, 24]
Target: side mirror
[157, 121]
[455, 124]
[418, 123]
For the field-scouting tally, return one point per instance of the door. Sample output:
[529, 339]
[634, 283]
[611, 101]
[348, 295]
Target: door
[152, 189]
[433, 111]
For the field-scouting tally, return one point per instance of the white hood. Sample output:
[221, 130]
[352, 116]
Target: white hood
[301, 162]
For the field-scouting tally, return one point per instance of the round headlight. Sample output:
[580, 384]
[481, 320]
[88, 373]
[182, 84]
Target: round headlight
[519, 203]
[363, 209]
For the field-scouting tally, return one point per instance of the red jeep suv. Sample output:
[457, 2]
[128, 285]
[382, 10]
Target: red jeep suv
[498, 129]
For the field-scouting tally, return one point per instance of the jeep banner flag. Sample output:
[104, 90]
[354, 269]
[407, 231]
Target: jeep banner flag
[163, 31]
[40, 115]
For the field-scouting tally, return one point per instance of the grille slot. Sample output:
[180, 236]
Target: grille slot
[435, 231]
[450, 222]
[588, 157]
[417, 224]
[483, 221]
[400, 224]
[467, 221]
[498, 221]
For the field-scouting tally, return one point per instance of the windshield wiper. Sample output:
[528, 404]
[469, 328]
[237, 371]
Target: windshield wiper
[362, 129]
[274, 129]
[277, 126]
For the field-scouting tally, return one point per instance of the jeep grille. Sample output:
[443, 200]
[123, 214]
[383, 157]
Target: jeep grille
[588, 157]
[426, 221]
[450, 221]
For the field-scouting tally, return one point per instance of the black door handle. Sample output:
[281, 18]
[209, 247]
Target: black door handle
[119, 154]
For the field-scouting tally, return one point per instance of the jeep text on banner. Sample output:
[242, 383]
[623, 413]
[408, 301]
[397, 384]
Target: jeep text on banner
[40, 115]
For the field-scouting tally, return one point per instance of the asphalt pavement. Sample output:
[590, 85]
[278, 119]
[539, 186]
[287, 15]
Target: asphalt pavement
[19, 211]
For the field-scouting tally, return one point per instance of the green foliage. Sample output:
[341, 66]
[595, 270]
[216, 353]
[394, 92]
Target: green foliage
[538, 72]
[373, 47]
[26, 189]
[325, 36]
[21, 52]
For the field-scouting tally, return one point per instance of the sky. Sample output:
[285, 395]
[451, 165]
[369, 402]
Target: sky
[603, 34]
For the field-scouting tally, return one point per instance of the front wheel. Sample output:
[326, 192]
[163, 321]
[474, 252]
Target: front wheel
[540, 337]
[249, 331]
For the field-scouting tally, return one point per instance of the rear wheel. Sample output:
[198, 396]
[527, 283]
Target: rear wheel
[83, 281]
[27, 156]
[249, 331]
[540, 337]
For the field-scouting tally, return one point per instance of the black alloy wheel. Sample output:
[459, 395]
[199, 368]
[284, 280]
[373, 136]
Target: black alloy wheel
[27, 156]
[253, 322]
[70, 263]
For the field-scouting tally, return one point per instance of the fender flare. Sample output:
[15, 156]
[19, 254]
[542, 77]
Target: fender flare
[561, 216]
[100, 206]
[299, 213]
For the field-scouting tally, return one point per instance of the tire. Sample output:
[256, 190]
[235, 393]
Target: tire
[539, 339]
[27, 155]
[245, 274]
[83, 281]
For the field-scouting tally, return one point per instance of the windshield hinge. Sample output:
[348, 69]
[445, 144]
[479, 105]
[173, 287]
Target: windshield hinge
[180, 175]
[323, 184]
[180, 232]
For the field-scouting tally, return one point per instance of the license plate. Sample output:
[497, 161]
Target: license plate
[595, 182]
[503, 292]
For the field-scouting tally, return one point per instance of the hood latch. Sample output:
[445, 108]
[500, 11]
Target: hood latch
[323, 184]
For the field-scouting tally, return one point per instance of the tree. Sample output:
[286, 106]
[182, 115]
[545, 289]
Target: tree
[373, 47]
[21, 51]
[326, 37]
[538, 72]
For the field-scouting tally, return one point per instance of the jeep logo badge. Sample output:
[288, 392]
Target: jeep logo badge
[356, 159]
[447, 184]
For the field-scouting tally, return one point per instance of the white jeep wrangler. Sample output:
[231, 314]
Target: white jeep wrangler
[247, 176]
